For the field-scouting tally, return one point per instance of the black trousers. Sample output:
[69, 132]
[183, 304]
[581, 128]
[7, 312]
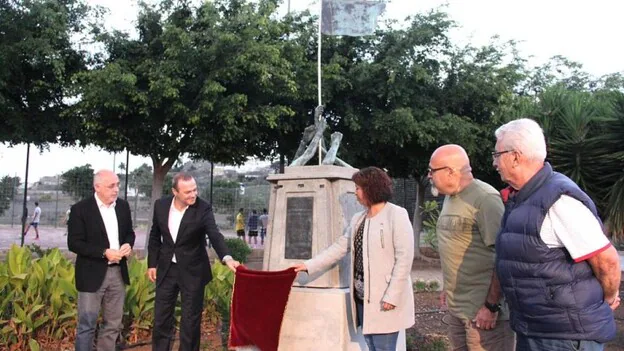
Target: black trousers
[164, 307]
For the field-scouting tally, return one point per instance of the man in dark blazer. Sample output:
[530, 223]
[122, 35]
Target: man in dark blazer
[100, 233]
[178, 262]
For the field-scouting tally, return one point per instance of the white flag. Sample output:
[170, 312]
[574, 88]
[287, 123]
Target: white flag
[350, 17]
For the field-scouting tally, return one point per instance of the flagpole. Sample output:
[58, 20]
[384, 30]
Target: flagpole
[318, 68]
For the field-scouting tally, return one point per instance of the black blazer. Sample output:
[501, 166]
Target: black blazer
[87, 238]
[190, 245]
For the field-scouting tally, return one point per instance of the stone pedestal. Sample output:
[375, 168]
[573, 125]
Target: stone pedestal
[310, 208]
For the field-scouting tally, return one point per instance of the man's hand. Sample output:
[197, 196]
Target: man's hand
[151, 274]
[300, 267]
[485, 319]
[614, 302]
[125, 250]
[387, 306]
[113, 256]
[232, 264]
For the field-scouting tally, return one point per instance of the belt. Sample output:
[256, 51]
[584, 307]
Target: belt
[110, 265]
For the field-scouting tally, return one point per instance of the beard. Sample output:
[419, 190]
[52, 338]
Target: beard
[434, 191]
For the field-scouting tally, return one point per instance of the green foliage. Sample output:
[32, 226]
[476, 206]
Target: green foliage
[431, 212]
[78, 182]
[38, 299]
[200, 81]
[238, 249]
[36, 296]
[141, 179]
[38, 61]
[38, 251]
[584, 132]
[421, 285]
[139, 302]
[8, 191]
[218, 296]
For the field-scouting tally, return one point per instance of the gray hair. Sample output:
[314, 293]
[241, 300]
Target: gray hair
[525, 136]
[97, 177]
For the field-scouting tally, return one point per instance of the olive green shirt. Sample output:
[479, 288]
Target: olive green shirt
[467, 229]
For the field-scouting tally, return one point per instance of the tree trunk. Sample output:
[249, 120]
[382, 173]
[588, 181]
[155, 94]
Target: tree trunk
[160, 171]
[417, 224]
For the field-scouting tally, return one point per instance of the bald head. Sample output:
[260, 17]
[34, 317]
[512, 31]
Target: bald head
[452, 156]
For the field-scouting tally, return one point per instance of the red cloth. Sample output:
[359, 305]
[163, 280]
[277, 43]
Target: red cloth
[507, 193]
[258, 304]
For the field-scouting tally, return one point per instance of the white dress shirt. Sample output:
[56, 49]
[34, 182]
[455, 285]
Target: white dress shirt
[110, 222]
[175, 218]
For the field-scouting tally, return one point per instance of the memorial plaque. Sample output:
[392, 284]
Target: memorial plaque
[299, 212]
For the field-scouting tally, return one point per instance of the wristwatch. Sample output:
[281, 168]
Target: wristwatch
[493, 307]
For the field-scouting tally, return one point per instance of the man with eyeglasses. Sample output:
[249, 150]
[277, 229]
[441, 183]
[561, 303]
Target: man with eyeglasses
[559, 273]
[466, 229]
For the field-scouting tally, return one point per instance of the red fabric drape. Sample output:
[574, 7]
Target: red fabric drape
[258, 304]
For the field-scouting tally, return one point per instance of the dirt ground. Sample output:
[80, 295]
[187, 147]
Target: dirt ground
[429, 332]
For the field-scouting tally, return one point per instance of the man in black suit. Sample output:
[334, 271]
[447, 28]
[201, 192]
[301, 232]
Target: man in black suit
[178, 262]
[100, 233]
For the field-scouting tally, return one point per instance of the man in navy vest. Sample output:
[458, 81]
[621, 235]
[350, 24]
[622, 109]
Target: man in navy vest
[559, 273]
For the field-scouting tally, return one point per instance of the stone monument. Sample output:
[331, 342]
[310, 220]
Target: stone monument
[310, 207]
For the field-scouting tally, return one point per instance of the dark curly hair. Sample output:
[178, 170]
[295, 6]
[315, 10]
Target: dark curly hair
[375, 183]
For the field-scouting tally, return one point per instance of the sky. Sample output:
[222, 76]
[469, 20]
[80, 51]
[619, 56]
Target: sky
[584, 31]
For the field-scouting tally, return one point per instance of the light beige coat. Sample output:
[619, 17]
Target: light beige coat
[388, 252]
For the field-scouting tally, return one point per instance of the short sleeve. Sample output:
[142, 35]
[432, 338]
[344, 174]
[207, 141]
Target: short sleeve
[489, 218]
[570, 223]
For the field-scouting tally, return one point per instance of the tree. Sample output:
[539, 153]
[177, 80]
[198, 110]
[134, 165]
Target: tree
[407, 91]
[141, 178]
[195, 82]
[584, 132]
[78, 182]
[8, 190]
[38, 60]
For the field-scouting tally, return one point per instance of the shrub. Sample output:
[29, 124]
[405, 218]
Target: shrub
[431, 212]
[238, 249]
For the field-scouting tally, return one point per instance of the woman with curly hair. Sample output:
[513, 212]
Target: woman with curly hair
[380, 241]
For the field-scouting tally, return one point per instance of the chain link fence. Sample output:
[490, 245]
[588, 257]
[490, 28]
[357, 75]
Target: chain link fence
[55, 197]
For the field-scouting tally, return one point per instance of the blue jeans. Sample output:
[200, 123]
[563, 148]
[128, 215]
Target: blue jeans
[538, 344]
[376, 342]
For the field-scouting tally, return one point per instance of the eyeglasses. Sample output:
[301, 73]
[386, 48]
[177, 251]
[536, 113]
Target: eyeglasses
[433, 170]
[496, 154]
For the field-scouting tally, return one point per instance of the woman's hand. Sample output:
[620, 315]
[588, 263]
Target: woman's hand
[300, 267]
[386, 306]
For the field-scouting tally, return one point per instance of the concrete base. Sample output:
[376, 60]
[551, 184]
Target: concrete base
[320, 319]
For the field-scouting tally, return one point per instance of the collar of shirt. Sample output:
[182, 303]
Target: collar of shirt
[173, 207]
[101, 204]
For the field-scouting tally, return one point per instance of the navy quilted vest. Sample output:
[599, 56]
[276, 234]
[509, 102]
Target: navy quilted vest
[549, 295]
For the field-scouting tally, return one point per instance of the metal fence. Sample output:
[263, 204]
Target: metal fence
[253, 195]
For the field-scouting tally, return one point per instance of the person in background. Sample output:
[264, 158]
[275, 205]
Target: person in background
[264, 224]
[239, 225]
[252, 228]
[34, 222]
